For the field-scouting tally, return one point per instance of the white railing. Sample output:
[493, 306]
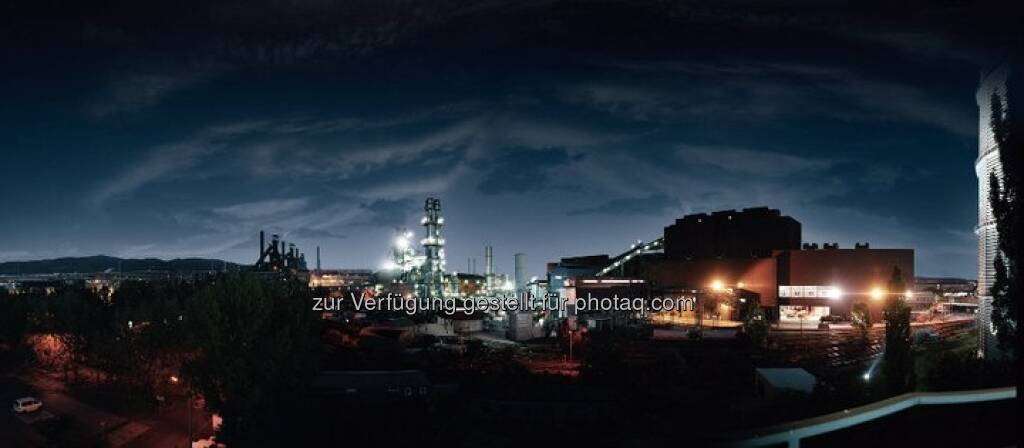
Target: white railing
[791, 433]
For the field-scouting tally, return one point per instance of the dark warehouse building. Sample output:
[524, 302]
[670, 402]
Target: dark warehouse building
[750, 233]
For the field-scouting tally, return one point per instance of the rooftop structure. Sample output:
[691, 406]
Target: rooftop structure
[752, 232]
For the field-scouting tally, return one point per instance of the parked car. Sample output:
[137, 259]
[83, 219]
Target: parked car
[210, 442]
[27, 404]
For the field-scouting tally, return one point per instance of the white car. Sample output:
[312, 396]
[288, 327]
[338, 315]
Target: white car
[207, 443]
[27, 404]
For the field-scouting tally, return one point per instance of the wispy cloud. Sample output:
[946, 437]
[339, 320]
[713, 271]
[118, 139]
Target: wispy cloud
[522, 170]
[656, 204]
[134, 91]
[262, 209]
[166, 160]
[750, 162]
[745, 90]
[14, 255]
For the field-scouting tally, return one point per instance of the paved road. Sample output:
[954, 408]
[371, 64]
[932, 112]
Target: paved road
[88, 423]
[14, 431]
[168, 428]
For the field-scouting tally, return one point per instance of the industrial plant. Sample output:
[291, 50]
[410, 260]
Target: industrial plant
[719, 261]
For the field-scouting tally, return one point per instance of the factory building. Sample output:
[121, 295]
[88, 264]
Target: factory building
[584, 295]
[559, 273]
[822, 282]
[467, 285]
[792, 285]
[342, 278]
[753, 254]
[279, 256]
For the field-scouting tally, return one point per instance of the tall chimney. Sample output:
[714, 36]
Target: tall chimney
[261, 248]
[318, 258]
[489, 267]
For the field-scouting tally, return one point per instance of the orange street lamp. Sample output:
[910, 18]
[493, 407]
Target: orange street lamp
[717, 285]
[877, 293]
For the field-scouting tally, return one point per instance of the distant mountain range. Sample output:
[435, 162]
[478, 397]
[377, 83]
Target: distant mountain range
[101, 263]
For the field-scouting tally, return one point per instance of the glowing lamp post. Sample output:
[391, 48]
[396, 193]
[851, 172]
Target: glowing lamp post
[877, 293]
[717, 285]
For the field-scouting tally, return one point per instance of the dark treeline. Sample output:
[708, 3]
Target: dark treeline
[250, 345]
[246, 343]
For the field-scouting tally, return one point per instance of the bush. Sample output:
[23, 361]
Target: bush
[860, 318]
[925, 336]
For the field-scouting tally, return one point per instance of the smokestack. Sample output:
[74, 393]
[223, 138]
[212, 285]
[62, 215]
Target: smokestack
[318, 258]
[520, 263]
[261, 247]
[488, 260]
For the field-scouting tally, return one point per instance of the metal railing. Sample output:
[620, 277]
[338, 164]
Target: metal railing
[792, 433]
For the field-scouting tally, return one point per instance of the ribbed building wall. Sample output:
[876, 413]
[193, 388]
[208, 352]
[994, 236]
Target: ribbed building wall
[994, 81]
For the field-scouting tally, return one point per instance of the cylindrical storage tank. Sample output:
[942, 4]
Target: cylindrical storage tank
[520, 276]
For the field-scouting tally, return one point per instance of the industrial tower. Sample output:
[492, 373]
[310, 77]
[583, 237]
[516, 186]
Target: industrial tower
[433, 250]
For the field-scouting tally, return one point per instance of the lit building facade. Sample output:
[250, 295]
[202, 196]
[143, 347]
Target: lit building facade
[793, 285]
[992, 82]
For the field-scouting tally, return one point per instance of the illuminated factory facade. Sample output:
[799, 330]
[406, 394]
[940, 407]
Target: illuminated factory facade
[992, 82]
[752, 253]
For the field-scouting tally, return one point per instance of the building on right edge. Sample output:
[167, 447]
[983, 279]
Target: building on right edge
[993, 81]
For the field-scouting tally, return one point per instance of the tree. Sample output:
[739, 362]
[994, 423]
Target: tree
[78, 316]
[257, 348]
[860, 318]
[149, 352]
[898, 365]
[1004, 197]
[14, 313]
[755, 325]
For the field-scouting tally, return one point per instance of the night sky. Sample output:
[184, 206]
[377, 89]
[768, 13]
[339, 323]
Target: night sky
[172, 129]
